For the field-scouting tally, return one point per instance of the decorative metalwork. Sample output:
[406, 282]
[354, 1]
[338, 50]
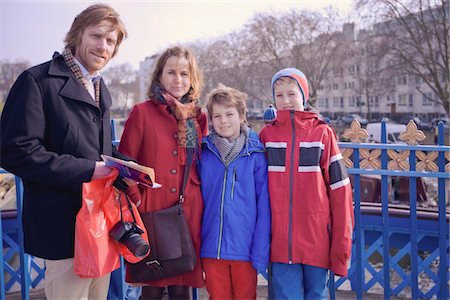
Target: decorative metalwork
[399, 160]
[346, 154]
[370, 159]
[355, 133]
[426, 161]
[447, 166]
[412, 135]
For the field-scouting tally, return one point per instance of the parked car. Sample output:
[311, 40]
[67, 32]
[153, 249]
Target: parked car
[421, 124]
[348, 119]
[392, 132]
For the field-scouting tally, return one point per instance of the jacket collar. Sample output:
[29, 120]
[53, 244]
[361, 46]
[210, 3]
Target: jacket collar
[301, 118]
[253, 143]
[72, 88]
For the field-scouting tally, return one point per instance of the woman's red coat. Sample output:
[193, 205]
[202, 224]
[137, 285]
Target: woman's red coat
[150, 137]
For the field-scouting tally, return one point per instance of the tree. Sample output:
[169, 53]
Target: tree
[9, 71]
[374, 75]
[313, 44]
[123, 85]
[417, 36]
[302, 39]
[267, 39]
[228, 60]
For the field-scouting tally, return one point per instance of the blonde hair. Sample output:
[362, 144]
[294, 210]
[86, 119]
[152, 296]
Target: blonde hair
[93, 15]
[228, 97]
[194, 72]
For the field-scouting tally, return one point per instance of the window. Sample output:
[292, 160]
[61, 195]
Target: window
[351, 69]
[418, 80]
[335, 102]
[427, 99]
[402, 80]
[410, 100]
[337, 72]
[374, 101]
[323, 102]
[352, 101]
[335, 86]
[341, 102]
[402, 100]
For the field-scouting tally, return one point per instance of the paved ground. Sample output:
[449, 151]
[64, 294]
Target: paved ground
[262, 293]
[203, 295]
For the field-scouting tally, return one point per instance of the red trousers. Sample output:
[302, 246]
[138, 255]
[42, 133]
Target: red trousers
[229, 279]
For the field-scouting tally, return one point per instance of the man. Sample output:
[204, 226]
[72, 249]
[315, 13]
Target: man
[54, 126]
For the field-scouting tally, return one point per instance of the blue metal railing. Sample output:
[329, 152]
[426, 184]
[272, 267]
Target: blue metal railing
[418, 235]
[442, 233]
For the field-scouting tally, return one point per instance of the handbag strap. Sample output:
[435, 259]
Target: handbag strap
[186, 177]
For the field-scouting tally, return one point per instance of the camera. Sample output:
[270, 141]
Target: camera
[129, 234]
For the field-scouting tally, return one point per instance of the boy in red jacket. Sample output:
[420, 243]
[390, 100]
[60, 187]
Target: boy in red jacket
[310, 194]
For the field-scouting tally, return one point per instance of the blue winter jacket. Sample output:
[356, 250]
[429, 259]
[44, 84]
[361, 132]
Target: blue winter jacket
[236, 217]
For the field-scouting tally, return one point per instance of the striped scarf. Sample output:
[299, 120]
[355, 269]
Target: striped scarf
[73, 66]
[188, 127]
[230, 150]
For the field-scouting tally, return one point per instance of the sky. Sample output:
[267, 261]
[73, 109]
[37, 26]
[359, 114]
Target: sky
[33, 30]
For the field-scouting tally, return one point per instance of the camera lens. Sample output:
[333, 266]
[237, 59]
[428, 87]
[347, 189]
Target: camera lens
[130, 235]
[137, 245]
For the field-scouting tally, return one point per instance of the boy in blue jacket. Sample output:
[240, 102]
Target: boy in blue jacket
[236, 217]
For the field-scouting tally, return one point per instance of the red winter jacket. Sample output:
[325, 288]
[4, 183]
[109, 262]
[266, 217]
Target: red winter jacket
[310, 193]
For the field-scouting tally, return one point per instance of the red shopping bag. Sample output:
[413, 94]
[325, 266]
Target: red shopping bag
[95, 251]
[118, 210]
[103, 207]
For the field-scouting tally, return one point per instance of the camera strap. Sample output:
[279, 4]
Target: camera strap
[128, 204]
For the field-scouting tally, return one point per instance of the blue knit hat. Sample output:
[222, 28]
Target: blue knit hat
[270, 114]
[298, 76]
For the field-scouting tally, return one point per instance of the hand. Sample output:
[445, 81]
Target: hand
[260, 268]
[101, 170]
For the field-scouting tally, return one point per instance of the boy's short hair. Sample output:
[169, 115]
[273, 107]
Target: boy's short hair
[228, 97]
[297, 76]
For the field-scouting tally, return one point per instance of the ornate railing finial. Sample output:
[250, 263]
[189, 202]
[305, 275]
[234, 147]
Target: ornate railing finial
[355, 133]
[412, 135]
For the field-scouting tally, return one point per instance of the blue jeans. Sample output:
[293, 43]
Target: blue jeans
[130, 292]
[299, 281]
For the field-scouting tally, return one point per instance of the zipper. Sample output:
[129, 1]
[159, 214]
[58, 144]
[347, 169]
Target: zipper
[291, 184]
[329, 233]
[222, 201]
[233, 183]
[221, 213]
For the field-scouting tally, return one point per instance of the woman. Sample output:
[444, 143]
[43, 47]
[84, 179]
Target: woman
[164, 132]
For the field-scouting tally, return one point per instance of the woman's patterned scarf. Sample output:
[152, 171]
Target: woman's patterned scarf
[188, 127]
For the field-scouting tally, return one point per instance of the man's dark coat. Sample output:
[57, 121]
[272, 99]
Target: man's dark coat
[51, 135]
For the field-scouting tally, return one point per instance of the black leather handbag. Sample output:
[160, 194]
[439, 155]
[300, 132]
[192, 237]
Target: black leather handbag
[172, 251]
